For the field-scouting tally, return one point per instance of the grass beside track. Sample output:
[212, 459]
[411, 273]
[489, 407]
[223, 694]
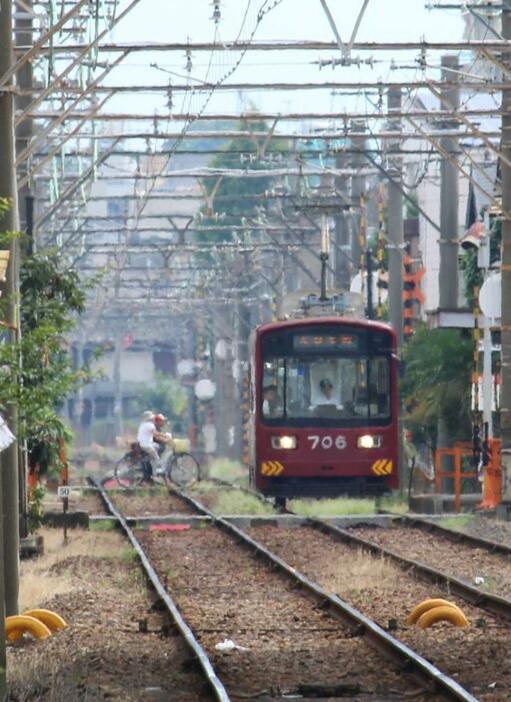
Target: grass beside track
[232, 502]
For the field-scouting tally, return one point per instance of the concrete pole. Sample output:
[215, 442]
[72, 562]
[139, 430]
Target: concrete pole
[448, 275]
[341, 233]
[395, 227]
[3, 661]
[117, 381]
[24, 77]
[505, 398]
[9, 222]
[358, 187]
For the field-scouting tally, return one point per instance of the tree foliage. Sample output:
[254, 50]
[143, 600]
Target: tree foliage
[472, 274]
[437, 383]
[36, 373]
[237, 197]
[167, 396]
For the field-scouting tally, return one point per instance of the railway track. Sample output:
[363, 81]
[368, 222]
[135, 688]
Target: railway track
[476, 569]
[451, 534]
[305, 634]
[216, 687]
[387, 591]
[492, 603]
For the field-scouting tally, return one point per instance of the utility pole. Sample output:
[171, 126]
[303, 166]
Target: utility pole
[505, 398]
[9, 222]
[395, 225]
[358, 188]
[24, 131]
[118, 427]
[448, 275]
[3, 657]
[342, 229]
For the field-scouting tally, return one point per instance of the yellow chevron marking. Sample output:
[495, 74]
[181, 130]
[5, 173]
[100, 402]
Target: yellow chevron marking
[383, 466]
[377, 465]
[271, 468]
[389, 467]
[278, 468]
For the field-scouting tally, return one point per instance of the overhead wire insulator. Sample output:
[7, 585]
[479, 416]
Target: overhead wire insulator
[380, 98]
[217, 14]
[188, 64]
[422, 60]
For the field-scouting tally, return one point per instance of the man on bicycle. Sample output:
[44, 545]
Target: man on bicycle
[149, 439]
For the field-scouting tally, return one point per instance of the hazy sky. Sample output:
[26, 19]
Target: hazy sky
[179, 20]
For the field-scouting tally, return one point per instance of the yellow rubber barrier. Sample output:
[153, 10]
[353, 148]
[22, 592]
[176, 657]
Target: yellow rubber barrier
[426, 605]
[18, 624]
[442, 614]
[52, 620]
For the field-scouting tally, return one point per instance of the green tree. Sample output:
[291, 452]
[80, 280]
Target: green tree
[437, 383]
[238, 198]
[167, 396]
[472, 274]
[36, 372]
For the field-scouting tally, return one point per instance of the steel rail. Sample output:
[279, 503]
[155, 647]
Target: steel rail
[376, 637]
[452, 534]
[494, 604]
[216, 685]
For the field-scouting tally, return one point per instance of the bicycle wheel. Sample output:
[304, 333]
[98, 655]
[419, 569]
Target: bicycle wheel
[183, 470]
[128, 472]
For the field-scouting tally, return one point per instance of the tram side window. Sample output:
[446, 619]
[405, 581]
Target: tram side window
[273, 388]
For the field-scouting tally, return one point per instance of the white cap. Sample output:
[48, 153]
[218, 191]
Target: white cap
[148, 416]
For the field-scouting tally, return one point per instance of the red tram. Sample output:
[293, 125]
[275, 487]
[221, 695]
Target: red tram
[324, 408]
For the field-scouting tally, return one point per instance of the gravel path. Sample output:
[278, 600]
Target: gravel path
[226, 593]
[477, 657]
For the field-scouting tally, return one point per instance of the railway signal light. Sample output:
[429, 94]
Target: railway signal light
[411, 293]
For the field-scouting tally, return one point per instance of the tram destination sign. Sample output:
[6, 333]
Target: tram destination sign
[324, 342]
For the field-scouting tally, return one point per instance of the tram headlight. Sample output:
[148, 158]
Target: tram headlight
[369, 441]
[284, 442]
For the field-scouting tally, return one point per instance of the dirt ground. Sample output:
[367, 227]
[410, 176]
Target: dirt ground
[115, 647]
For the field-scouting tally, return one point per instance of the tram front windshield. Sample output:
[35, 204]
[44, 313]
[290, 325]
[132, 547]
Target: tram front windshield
[325, 380]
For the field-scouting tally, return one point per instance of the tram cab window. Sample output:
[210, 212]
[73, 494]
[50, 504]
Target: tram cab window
[333, 388]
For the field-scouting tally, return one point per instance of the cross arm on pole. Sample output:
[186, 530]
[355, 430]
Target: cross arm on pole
[90, 88]
[40, 163]
[34, 50]
[74, 186]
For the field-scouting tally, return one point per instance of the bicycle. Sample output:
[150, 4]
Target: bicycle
[179, 467]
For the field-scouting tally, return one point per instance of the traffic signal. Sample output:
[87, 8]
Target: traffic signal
[411, 293]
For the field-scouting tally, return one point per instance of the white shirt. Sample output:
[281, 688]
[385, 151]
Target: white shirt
[145, 434]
